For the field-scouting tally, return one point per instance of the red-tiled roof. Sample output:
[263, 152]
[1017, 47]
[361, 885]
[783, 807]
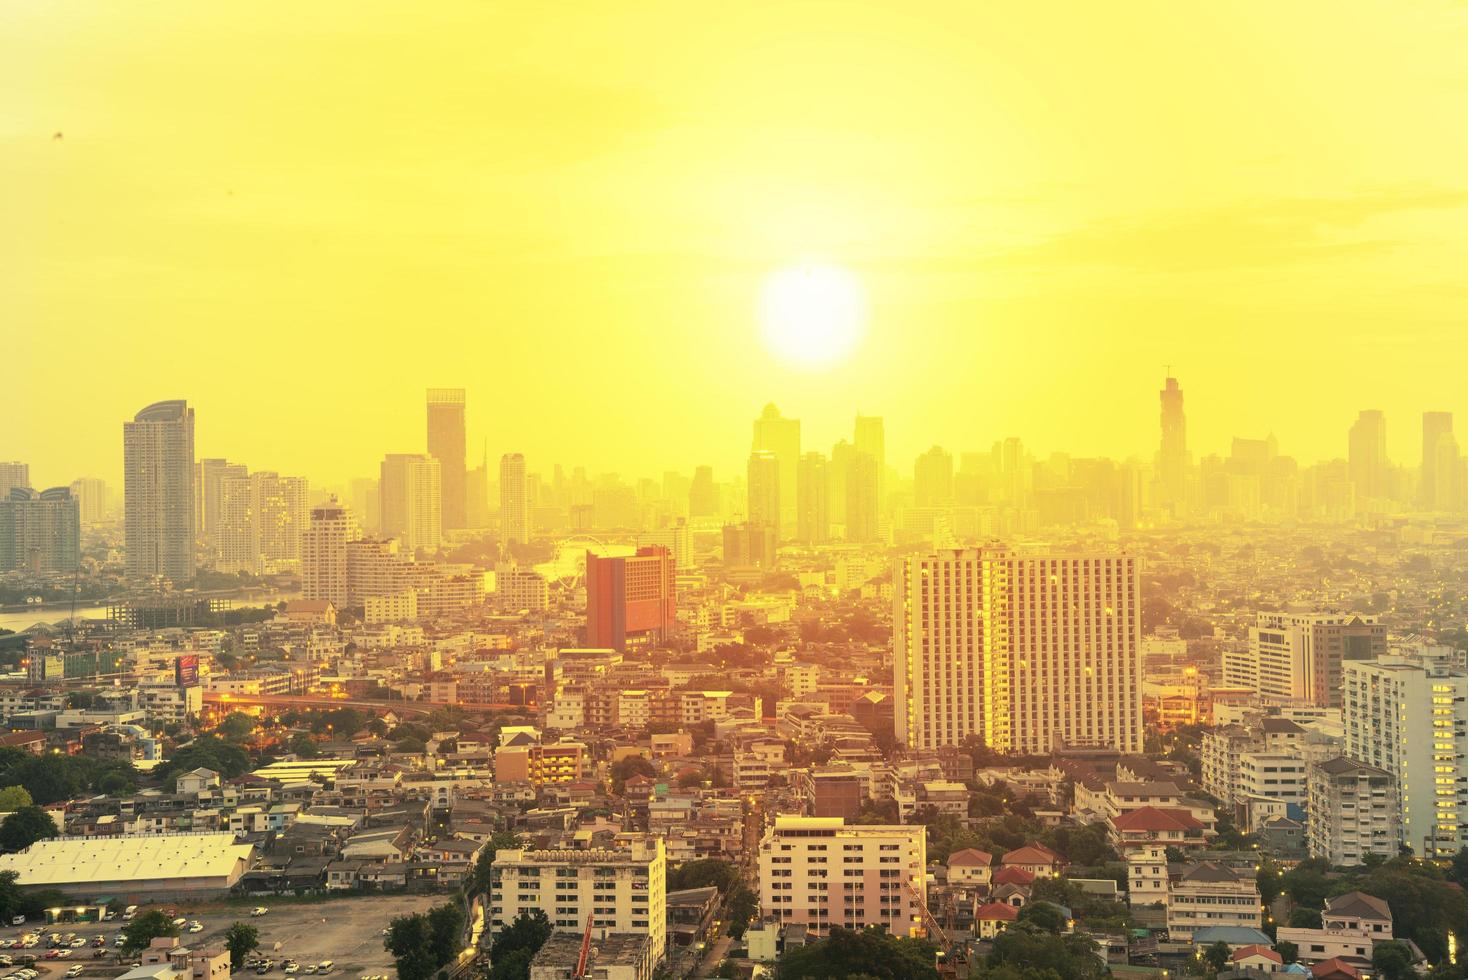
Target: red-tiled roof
[1014, 876]
[1244, 952]
[1031, 854]
[1333, 966]
[1156, 818]
[996, 912]
[970, 857]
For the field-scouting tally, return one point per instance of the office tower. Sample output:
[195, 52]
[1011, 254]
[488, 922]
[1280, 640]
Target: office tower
[812, 488]
[1297, 657]
[40, 533]
[476, 493]
[13, 475]
[1408, 715]
[1367, 455]
[703, 495]
[324, 553]
[776, 434]
[861, 490]
[750, 545]
[158, 492]
[764, 486]
[932, 479]
[870, 437]
[622, 890]
[1352, 810]
[91, 497]
[1029, 652]
[209, 477]
[410, 501]
[630, 599]
[366, 501]
[675, 538]
[446, 444]
[820, 872]
[1172, 454]
[514, 500]
[1438, 489]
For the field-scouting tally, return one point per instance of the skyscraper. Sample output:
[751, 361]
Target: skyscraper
[209, 477]
[158, 492]
[1028, 652]
[860, 488]
[259, 524]
[40, 533]
[703, 496]
[515, 525]
[630, 598]
[764, 488]
[812, 486]
[870, 437]
[13, 474]
[773, 433]
[324, 553]
[932, 479]
[411, 501]
[1440, 461]
[446, 444]
[1367, 455]
[1172, 454]
[91, 497]
[1297, 658]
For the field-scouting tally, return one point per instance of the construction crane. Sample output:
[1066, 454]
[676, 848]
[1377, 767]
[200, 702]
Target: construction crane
[583, 962]
[955, 955]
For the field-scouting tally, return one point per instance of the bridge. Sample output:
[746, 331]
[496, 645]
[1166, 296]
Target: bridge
[377, 705]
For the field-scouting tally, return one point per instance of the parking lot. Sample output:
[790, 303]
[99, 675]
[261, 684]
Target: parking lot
[347, 931]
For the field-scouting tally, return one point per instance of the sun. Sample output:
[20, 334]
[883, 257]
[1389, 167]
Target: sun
[812, 314]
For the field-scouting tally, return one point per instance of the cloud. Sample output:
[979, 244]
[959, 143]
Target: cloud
[1247, 234]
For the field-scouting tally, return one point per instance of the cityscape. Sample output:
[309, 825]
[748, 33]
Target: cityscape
[800, 492]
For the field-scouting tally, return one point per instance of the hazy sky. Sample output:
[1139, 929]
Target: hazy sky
[300, 215]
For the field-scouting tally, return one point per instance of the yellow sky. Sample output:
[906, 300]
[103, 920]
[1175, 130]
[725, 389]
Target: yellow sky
[300, 215]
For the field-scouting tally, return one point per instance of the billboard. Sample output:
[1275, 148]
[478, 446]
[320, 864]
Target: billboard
[186, 670]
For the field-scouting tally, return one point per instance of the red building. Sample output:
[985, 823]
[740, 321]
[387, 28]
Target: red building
[629, 599]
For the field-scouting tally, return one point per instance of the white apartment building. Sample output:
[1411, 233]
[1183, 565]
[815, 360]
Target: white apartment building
[1297, 657]
[1352, 810]
[1408, 715]
[1211, 895]
[1027, 651]
[622, 889]
[819, 872]
[411, 500]
[324, 553]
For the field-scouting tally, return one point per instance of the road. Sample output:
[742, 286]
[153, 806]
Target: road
[714, 957]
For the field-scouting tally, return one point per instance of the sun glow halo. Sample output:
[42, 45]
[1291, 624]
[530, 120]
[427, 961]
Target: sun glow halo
[812, 314]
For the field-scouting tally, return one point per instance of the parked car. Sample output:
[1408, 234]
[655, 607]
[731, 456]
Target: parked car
[259, 910]
[75, 971]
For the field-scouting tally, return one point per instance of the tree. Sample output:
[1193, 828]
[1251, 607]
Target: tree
[12, 798]
[500, 840]
[1287, 951]
[26, 826]
[148, 926]
[1033, 953]
[1392, 960]
[742, 905]
[1217, 956]
[81, 699]
[624, 769]
[529, 931]
[207, 752]
[241, 939]
[446, 929]
[1043, 915]
[235, 726]
[408, 938]
[11, 899]
[514, 965]
[304, 746]
[870, 952]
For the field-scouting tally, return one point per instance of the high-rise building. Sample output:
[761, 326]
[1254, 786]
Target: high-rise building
[1438, 489]
[812, 489]
[91, 497]
[1408, 715]
[1367, 455]
[764, 488]
[1172, 454]
[515, 512]
[476, 493]
[773, 433]
[13, 475]
[40, 533]
[410, 501]
[621, 891]
[446, 444]
[1352, 810]
[630, 599]
[324, 553]
[862, 492]
[259, 523]
[820, 872]
[209, 476]
[750, 545]
[870, 437]
[932, 479]
[158, 492]
[675, 538]
[1297, 657]
[1028, 652]
[366, 503]
[703, 495]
